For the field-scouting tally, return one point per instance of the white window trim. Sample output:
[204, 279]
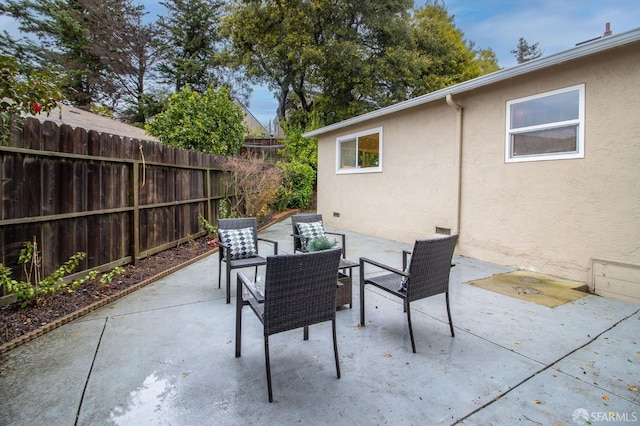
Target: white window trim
[555, 156]
[355, 136]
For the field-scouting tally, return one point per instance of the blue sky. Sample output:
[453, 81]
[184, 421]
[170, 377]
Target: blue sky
[556, 25]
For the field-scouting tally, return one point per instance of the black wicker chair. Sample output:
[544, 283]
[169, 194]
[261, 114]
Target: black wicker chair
[426, 275]
[299, 290]
[300, 241]
[242, 260]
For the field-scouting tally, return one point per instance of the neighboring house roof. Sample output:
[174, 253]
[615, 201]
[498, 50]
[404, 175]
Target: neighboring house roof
[252, 123]
[582, 50]
[76, 117]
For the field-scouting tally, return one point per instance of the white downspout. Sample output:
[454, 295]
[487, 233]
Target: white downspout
[458, 188]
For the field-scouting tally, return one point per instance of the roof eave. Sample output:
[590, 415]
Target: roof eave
[581, 51]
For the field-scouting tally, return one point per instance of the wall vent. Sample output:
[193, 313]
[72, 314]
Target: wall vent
[336, 214]
[443, 231]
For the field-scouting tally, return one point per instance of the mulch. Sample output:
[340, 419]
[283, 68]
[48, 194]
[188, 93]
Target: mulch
[19, 325]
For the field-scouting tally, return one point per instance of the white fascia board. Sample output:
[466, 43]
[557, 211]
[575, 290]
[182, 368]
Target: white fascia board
[590, 48]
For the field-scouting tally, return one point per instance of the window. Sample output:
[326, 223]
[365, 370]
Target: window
[360, 152]
[549, 126]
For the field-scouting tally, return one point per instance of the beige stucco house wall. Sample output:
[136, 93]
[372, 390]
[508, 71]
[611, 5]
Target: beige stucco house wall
[443, 166]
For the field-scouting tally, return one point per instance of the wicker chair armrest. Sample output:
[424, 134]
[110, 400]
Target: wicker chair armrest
[344, 242]
[224, 250]
[364, 260]
[335, 233]
[275, 244]
[405, 256]
[246, 283]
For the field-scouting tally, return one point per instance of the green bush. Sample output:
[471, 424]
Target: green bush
[297, 185]
[35, 287]
[24, 91]
[212, 231]
[210, 122]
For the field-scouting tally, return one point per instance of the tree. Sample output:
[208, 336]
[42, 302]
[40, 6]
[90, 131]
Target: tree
[63, 40]
[524, 52]
[449, 58]
[190, 43]
[101, 47]
[366, 54]
[303, 49]
[331, 60]
[211, 122]
[127, 52]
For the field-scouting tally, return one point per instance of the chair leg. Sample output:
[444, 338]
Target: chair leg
[449, 315]
[268, 365]
[335, 347]
[219, 271]
[413, 343]
[228, 284]
[239, 303]
[361, 296]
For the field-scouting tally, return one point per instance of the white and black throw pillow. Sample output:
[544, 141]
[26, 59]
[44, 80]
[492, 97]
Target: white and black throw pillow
[310, 231]
[240, 242]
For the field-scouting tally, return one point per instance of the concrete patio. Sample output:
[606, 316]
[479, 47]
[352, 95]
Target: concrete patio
[164, 355]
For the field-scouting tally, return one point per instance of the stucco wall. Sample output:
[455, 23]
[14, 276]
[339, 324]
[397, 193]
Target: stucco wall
[552, 217]
[412, 195]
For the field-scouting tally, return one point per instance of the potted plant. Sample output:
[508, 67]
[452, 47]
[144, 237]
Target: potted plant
[320, 243]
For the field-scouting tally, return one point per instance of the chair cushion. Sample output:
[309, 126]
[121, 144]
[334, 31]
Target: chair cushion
[240, 242]
[310, 230]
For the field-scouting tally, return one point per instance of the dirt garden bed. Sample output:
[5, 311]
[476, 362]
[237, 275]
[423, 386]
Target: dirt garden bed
[18, 325]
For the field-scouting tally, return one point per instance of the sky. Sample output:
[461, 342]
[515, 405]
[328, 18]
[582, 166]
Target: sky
[556, 25]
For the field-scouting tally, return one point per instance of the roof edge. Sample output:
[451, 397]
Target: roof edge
[580, 51]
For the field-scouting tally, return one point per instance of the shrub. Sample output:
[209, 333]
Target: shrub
[297, 185]
[211, 122]
[35, 287]
[22, 92]
[251, 186]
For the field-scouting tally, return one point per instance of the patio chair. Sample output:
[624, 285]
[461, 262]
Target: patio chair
[238, 241]
[299, 291]
[425, 274]
[307, 226]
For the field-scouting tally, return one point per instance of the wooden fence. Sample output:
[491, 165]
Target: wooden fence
[116, 199]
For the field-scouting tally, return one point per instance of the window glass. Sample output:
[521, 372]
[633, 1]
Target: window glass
[368, 150]
[548, 126]
[562, 139]
[550, 109]
[348, 154]
[360, 152]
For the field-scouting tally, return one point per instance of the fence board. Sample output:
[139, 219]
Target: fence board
[78, 190]
[12, 199]
[32, 169]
